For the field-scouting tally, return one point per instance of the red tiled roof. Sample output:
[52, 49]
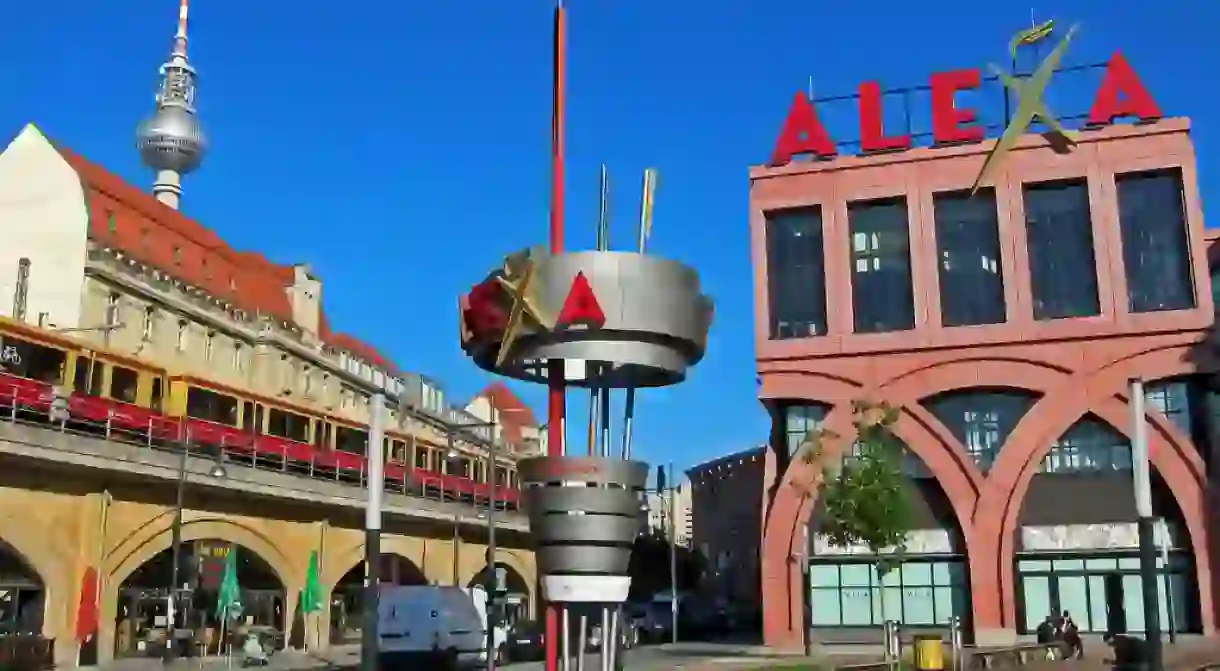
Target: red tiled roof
[134, 222]
[514, 413]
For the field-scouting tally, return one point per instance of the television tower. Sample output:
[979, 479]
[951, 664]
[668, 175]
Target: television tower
[171, 141]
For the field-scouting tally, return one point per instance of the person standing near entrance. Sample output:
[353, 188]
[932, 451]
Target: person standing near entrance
[1071, 637]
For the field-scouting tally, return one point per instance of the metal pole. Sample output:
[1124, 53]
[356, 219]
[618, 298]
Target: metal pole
[556, 392]
[1146, 525]
[1169, 604]
[171, 600]
[491, 553]
[372, 534]
[673, 555]
[567, 639]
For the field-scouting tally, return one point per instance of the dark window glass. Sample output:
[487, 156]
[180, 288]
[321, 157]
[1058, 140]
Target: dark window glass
[1089, 445]
[211, 407]
[796, 273]
[124, 383]
[1171, 398]
[1215, 275]
[968, 258]
[1062, 266]
[31, 360]
[287, 425]
[1156, 254]
[354, 441]
[981, 419]
[881, 266]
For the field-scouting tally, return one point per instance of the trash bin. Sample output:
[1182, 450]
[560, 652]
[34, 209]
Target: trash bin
[928, 652]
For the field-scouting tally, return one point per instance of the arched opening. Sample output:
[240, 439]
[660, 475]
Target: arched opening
[981, 418]
[347, 598]
[850, 602]
[1077, 542]
[140, 622]
[22, 595]
[512, 585]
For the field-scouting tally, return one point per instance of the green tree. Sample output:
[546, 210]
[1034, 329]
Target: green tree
[864, 494]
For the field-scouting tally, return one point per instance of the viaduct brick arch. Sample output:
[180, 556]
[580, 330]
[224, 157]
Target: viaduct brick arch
[987, 506]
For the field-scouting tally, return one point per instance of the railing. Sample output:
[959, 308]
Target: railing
[33, 404]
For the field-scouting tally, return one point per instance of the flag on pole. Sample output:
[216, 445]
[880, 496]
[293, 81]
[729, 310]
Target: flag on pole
[1032, 35]
[311, 596]
[86, 614]
[228, 601]
[650, 190]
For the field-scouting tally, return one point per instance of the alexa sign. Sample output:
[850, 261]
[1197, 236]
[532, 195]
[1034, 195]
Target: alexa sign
[1121, 95]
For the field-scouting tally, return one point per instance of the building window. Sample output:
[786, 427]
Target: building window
[237, 356]
[914, 593]
[881, 266]
[981, 419]
[1062, 265]
[146, 329]
[112, 308]
[208, 343]
[1171, 398]
[1156, 254]
[796, 273]
[180, 343]
[968, 258]
[1089, 445]
[799, 420]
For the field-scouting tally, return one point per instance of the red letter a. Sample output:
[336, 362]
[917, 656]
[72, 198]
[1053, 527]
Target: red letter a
[581, 306]
[1122, 94]
[803, 134]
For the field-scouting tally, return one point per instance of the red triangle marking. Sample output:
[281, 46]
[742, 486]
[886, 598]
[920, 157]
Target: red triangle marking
[581, 306]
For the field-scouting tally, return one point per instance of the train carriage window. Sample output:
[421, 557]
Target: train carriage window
[211, 406]
[351, 440]
[80, 379]
[398, 452]
[247, 416]
[32, 361]
[158, 391]
[97, 376]
[287, 425]
[421, 457]
[319, 434]
[124, 382]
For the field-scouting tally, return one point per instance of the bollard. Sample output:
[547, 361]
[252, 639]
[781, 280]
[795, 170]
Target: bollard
[955, 642]
[929, 652]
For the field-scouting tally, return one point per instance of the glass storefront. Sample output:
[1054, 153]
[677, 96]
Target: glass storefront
[918, 592]
[1103, 592]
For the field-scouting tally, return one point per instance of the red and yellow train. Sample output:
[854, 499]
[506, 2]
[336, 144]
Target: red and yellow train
[127, 395]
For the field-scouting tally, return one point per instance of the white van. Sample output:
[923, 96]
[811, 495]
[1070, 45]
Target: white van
[440, 627]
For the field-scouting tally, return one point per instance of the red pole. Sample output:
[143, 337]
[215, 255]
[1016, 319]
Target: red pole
[556, 395]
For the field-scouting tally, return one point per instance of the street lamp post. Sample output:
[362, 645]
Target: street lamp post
[171, 602]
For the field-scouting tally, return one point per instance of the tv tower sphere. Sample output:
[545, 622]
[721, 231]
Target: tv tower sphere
[171, 139]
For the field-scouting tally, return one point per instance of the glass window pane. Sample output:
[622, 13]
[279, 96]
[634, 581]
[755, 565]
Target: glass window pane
[796, 273]
[856, 575]
[1062, 263]
[916, 574]
[824, 608]
[1069, 564]
[857, 607]
[1036, 591]
[918, 606]
[891, 604]
[968, 258]
[822, 575]
[881, 261]
[1156, 255]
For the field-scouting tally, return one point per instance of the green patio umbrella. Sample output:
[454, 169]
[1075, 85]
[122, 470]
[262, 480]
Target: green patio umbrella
[311, 596]
[228, 601]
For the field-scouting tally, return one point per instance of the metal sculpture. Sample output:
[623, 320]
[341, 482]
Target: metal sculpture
[602, 320]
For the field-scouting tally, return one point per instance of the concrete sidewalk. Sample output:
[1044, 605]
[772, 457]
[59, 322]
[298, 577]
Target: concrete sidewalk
[285, 660]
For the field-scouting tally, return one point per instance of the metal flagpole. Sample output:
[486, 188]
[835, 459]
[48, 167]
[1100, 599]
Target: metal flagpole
[673, 554]
[372, 534]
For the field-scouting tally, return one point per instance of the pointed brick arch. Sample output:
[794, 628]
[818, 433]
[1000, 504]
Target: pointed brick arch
[1102, 392]
[790, 510]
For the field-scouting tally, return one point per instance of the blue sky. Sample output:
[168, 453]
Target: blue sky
[403, 147]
